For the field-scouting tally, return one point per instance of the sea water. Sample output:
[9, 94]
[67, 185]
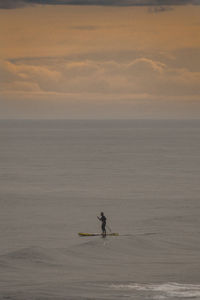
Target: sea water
[57, 176]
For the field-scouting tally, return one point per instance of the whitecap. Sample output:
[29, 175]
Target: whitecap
[164, 290]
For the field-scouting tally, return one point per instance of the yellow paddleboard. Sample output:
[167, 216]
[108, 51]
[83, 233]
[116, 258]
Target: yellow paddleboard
[97, 234]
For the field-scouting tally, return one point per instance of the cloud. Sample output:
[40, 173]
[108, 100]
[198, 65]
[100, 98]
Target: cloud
[140, 87]
[159, 9]
[22, 77]
[9, 4]
[136, 77]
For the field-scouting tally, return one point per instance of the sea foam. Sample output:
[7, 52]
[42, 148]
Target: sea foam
[164, 290]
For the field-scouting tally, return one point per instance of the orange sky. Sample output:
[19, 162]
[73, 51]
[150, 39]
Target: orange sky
[99, 62]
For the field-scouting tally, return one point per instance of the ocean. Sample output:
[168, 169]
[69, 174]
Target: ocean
[57, 176]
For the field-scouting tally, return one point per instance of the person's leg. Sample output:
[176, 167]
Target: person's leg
[104, 229]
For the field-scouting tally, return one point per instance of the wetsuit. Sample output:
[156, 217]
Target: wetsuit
[103, 225]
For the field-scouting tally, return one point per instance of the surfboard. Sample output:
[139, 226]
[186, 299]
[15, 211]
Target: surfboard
[97, 234]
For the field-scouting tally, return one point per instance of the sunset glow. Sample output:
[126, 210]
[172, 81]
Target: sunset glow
[65, 61]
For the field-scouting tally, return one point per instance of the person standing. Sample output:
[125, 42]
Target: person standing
[103, 224]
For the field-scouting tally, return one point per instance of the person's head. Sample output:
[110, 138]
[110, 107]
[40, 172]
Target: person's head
[102, 214]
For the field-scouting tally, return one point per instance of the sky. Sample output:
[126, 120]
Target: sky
[99, 59]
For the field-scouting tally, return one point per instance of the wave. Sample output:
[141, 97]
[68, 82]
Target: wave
[30, 255]
[169, 290]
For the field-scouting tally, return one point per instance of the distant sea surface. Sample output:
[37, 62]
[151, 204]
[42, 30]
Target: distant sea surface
[57, 176]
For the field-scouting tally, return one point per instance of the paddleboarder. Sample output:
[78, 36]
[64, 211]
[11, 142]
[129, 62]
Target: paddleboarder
[103, 224]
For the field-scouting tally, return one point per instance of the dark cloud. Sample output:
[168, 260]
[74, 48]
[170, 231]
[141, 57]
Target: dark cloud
[8, 4]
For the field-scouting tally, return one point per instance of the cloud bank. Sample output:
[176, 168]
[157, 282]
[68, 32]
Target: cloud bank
[141, 87]
[136, 77]
[10, 4]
